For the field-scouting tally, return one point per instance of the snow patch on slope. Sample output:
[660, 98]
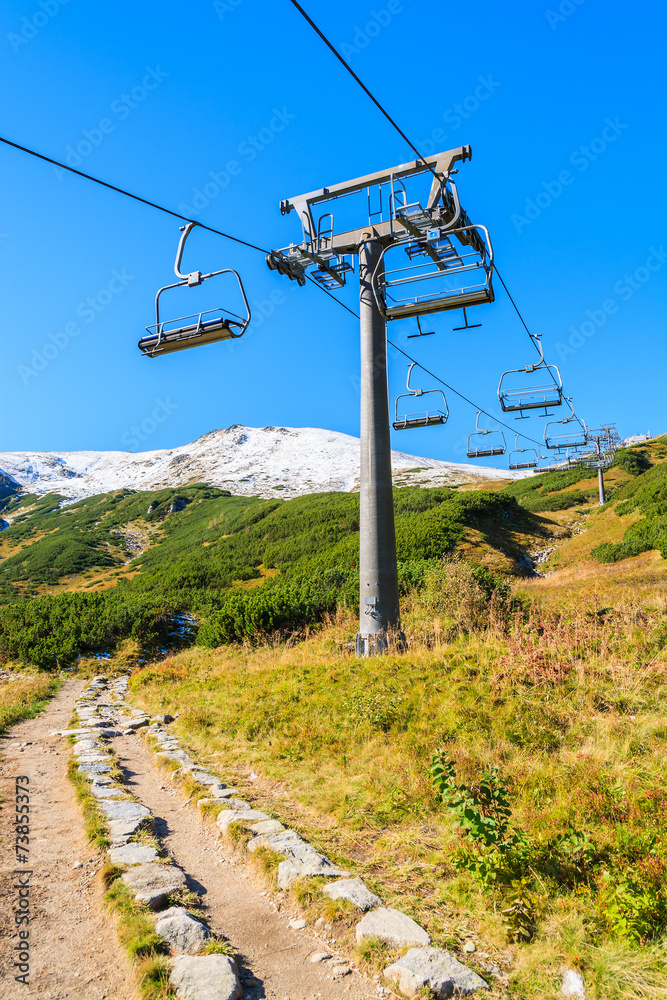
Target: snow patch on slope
[248, 461]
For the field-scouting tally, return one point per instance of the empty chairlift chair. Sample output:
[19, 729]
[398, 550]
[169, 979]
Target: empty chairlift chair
[542, 389]
[446, 269]
[523, 458]
[485, 443]
[424, 418]
[207, 327]
[566, 434]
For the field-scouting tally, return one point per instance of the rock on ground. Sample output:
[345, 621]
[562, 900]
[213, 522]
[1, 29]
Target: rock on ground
[244, 816]
[310, 866]
[392, 927]
[152, 883]
[204, 778]
[435, 969]
[267, 826]
[573, 984]
[128, 812]
[354, 890]
[207, 977]
[132, 854]
[184, 934]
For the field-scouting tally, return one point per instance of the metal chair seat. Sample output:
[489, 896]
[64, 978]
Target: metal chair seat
[419, 420]
[485, 452]
[167, 341]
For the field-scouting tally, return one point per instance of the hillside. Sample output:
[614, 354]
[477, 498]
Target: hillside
[131, 564]
[247, 461]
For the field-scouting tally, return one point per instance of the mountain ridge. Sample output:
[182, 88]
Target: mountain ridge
[248, 461]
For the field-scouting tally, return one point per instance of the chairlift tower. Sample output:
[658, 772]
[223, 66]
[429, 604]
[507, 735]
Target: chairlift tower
[606, 440]
[447, 264]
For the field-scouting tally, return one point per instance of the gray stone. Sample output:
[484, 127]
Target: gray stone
[282, 842]
[133, 854]
[184, 934]
[435, 969]
[152, 883]
[163, 719]
[106, 792]
[128, 812]
[245, 816]
[102, 779]
[220, 792]
[267, 826]
[310, 866]
[573, 984]
[240, 805]
[83, 745]
[205, 977]
[393, 927]
[469, 947]
[94, 768]
[120, 830]
[319, 956]
[92, 757]
[296, 924]
[204, 778]
[354, 890]
[109, 733]
[137, 723]
[179, 758]
[71, 732]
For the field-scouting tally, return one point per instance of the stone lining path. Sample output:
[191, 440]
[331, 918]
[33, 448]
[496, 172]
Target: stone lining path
[277, 957]
[74, 950]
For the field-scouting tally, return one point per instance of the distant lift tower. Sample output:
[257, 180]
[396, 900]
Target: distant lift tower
[605, 440]
[445, 263]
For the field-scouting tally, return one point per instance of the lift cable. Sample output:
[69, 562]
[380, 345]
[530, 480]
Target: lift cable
[128, 194]
[460, 394]
[363, 86]
[405, 138]
[235, 239]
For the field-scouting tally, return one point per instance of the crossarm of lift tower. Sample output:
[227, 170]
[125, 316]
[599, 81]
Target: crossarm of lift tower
[441, 165]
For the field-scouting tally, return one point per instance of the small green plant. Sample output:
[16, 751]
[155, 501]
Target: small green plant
[633, 903]
[483, 812]
[373, 953]
[218, 946]
[519, 915]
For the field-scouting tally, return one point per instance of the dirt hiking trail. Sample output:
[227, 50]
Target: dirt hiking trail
[74, 951]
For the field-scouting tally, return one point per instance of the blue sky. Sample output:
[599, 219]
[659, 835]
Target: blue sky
[563, 105]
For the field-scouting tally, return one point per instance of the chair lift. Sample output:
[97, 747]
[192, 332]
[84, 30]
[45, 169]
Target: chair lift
[457, 273]
[541, 395]
[573, 435]
[517, 459]
[428, 418]
[481, 446]
[207, 327]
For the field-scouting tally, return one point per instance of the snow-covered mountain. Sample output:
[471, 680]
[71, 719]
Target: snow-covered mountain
[248, 461]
